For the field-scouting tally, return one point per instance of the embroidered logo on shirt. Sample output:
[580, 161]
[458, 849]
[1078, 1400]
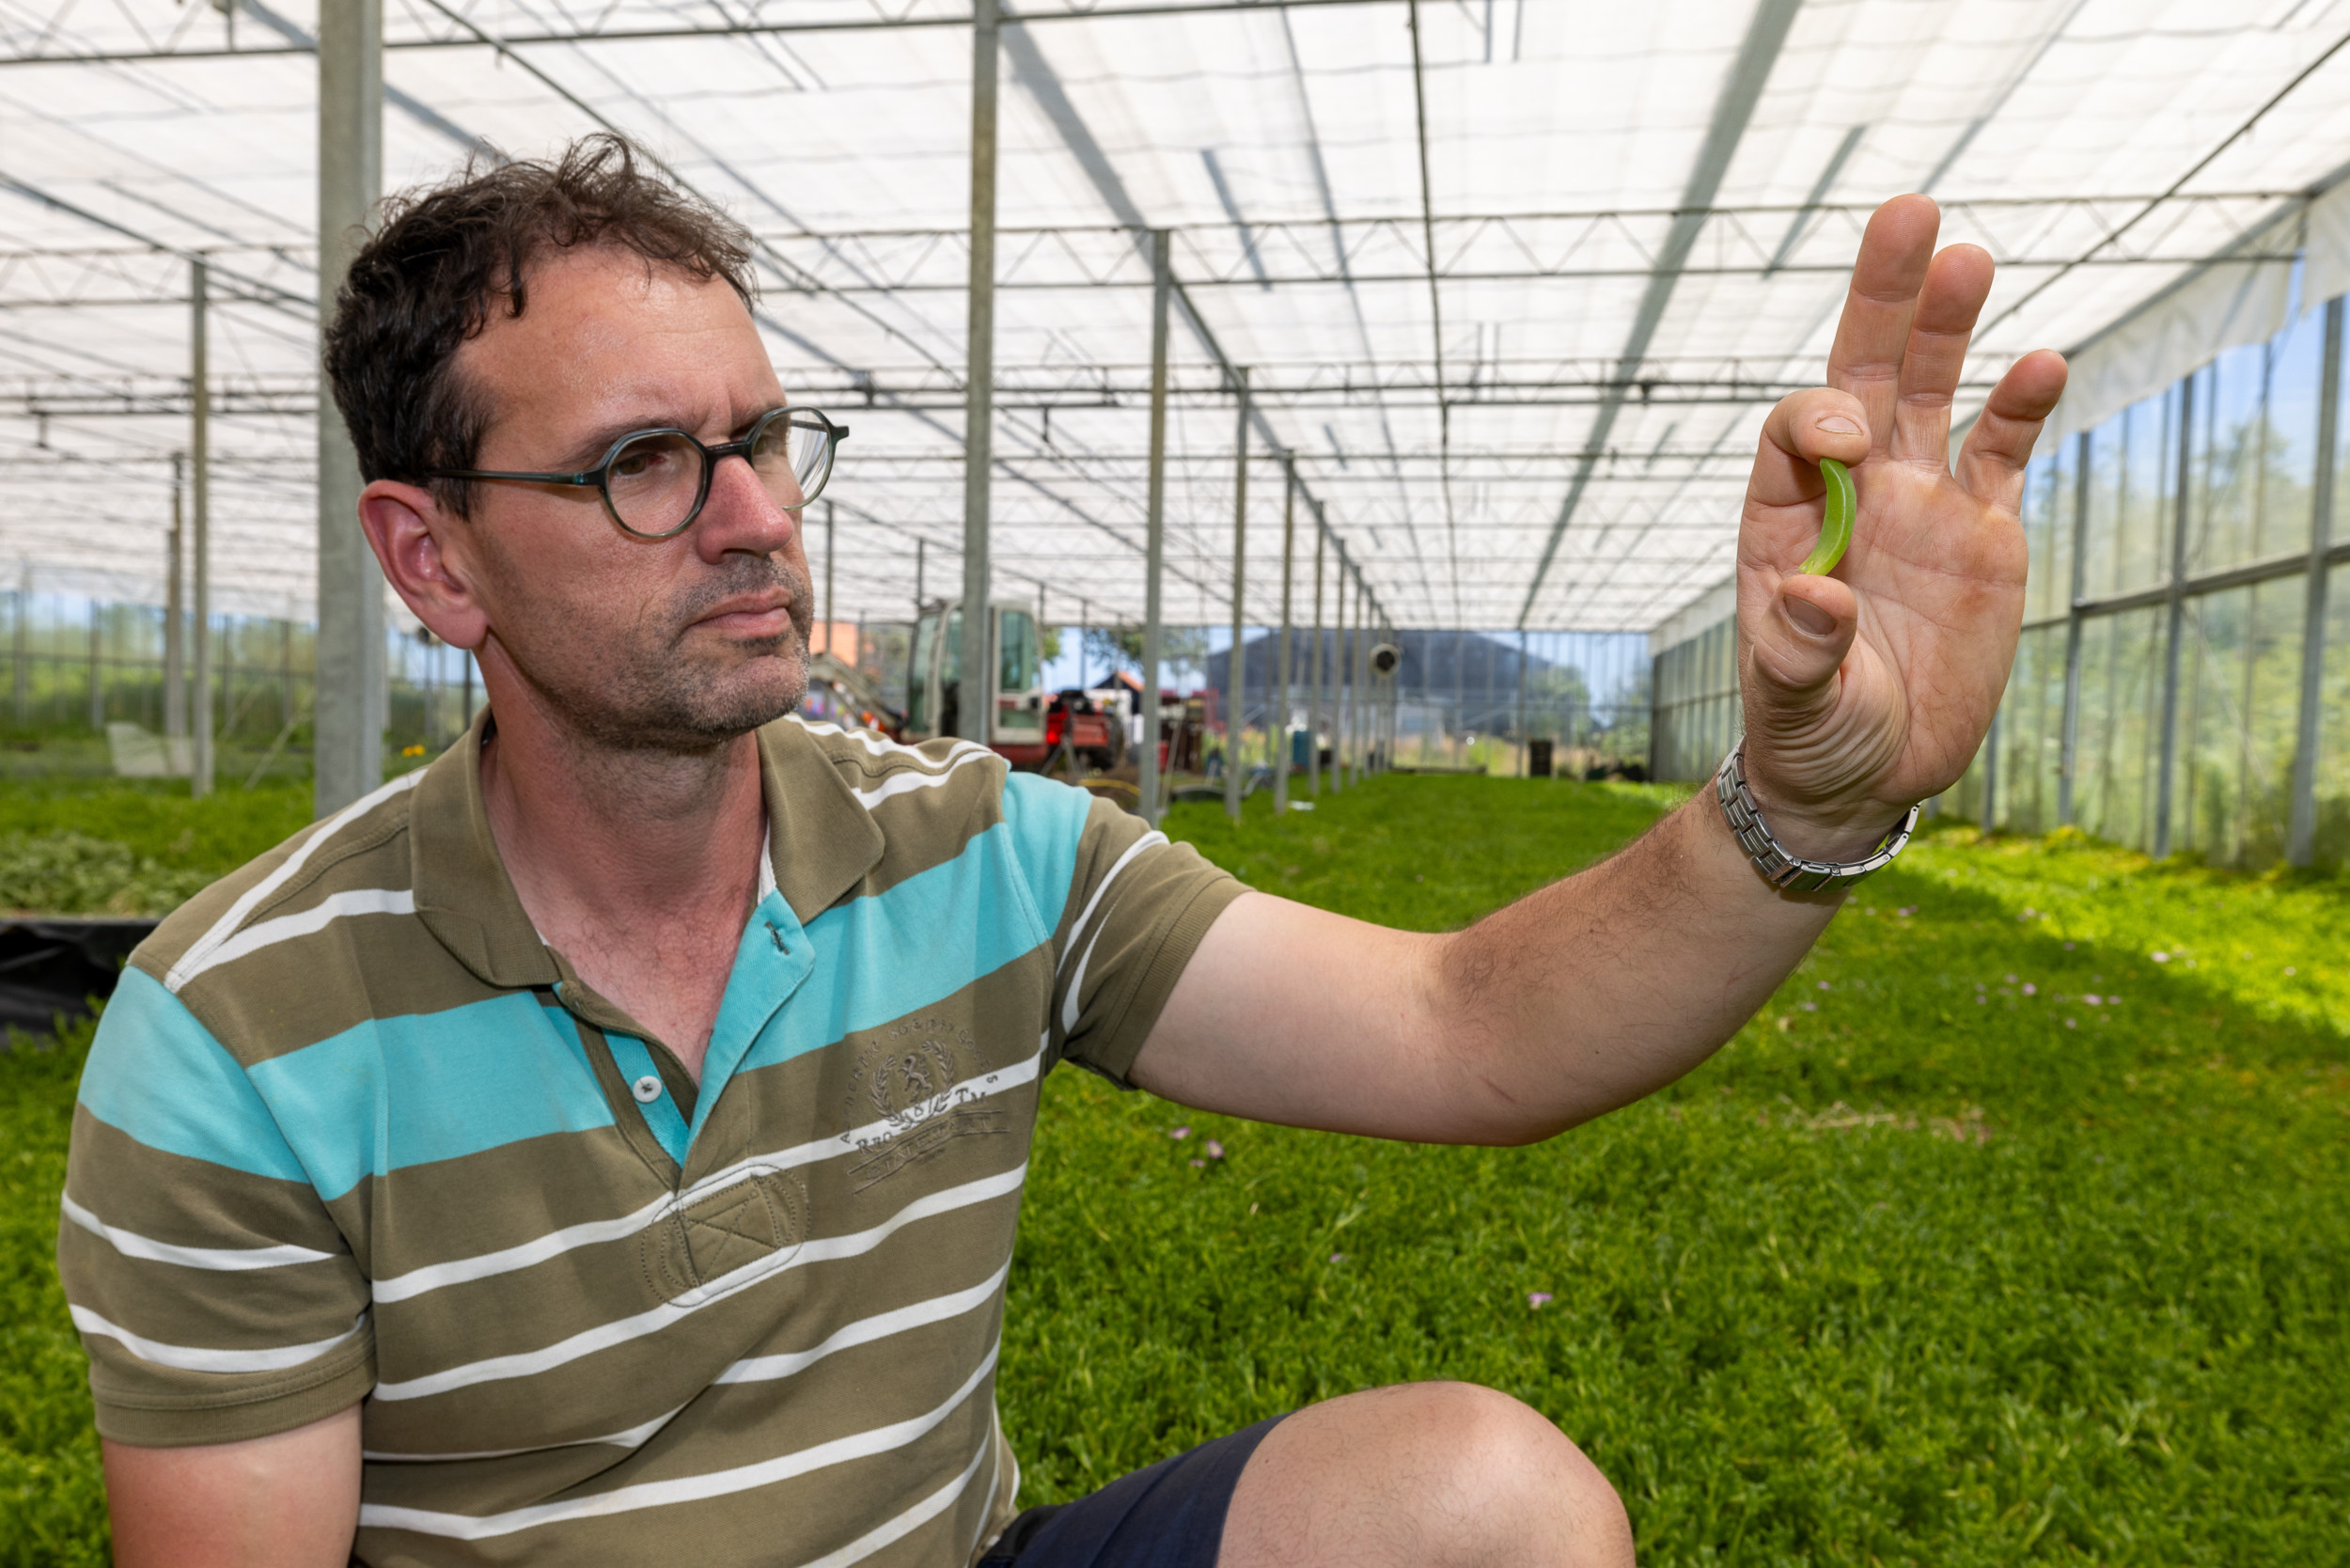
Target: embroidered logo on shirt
[912, 1081]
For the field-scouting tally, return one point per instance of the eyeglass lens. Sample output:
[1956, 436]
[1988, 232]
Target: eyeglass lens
[655, 479]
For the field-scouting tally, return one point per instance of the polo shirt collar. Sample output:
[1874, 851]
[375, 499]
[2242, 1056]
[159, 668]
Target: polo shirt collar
[820, 842]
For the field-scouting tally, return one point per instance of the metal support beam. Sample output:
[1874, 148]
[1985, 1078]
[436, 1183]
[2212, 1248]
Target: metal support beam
[1236, 666]
[2068, 759]
[1278, 722]
[1520, 722]
[831, 606]
[2165, 779]
[1154, 546]
[176, 614]
[1991, 773]
[978, 698]
[2302, 824]
[1316, 711]
[348, 721]
[200, 484]
[1340, 683]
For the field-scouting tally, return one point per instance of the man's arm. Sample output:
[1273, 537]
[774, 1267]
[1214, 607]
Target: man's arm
[1864, 691]
[287, 1501]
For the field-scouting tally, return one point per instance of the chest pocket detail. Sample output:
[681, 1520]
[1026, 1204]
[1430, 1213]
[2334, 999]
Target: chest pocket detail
[723, 1235]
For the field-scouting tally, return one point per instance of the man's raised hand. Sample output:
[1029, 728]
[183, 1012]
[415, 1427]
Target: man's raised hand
[1870, 689]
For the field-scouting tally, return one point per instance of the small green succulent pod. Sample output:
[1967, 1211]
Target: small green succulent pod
[1836, 526]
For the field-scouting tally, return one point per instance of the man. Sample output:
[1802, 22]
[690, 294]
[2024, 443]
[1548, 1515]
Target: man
[605, 1145]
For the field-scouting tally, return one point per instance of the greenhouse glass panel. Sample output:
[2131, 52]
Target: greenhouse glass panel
[2121, 705]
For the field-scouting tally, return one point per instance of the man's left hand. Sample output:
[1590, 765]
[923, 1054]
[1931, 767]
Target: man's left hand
[1870, 689]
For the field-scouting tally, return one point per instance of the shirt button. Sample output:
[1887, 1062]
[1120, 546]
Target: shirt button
[647, 1088]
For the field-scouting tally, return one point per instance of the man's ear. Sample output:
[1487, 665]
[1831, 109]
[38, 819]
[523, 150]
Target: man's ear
[408, 529]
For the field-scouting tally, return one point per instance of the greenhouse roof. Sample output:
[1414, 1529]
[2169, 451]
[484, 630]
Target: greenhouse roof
[1513, 281]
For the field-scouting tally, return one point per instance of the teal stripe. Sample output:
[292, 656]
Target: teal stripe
[1047, 821]
[432, 1086]
[882, 957]
[426, 1087]
[159, 1076]
[634, 1058]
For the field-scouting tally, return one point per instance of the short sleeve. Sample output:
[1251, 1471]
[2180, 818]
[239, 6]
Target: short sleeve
[1137, 908]
[215, 1293]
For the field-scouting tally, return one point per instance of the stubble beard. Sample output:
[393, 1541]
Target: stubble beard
[663, 686]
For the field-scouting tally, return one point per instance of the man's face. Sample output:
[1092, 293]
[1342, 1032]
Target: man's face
[677, 644]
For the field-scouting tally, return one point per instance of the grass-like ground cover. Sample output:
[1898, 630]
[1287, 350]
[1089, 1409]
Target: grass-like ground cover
[1926, 1267]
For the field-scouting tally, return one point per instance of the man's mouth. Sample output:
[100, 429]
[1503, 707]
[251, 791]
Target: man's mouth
[750, 617]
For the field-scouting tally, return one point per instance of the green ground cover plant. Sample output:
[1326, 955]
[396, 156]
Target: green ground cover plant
[2012, 1230]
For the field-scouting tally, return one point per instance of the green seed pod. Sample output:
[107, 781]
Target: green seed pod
[1836, 526]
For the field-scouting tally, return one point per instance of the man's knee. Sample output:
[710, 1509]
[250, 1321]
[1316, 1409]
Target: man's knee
[1440, 1473]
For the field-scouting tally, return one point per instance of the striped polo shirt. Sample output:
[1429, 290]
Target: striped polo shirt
[351, 1131]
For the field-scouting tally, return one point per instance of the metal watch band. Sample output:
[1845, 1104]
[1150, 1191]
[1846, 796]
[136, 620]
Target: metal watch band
[1789, 873]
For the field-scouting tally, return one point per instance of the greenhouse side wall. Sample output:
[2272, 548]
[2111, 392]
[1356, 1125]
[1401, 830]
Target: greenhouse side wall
[2165, 678]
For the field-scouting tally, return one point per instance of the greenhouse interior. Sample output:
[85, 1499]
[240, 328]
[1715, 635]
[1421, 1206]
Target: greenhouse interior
[1337, 435]
[1429, 375]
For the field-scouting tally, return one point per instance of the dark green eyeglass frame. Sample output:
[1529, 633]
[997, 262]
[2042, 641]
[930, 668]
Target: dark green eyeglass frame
[600, 474]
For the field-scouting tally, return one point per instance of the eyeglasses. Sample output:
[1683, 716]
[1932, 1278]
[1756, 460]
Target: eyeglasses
[654, 482]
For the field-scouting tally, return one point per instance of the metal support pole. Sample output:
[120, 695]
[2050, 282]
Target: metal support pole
[200, 484]
[1519, 723]
[1154, 546]
[1991, 775]
[2163, 782]
[2068, 761]
[1314, 707]
[1236, 666]
[20, 665]
[1278, 722]
[2301, 829]
[977, 698]
[349, 709]
[831, 609]
[1341, 681]
[921, 550]
[97, 673]
[175, 613]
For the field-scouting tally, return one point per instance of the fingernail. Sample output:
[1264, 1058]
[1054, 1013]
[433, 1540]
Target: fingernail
[1836, 424]
[1809, 618]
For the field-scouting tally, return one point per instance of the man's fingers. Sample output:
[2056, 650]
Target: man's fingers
[1801, 641]
[1991, 465]
[1873, 331]
[1803, 427]
[1957, 281]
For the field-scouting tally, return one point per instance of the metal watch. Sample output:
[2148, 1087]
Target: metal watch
[1789, 873]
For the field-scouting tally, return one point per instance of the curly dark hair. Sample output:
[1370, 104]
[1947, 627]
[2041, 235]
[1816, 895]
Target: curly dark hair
[446, 254]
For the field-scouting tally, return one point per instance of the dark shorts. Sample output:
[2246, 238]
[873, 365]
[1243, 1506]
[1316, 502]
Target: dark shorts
[1170, 1516]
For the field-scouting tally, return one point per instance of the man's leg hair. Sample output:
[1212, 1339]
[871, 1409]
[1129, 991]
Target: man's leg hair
[1423, 1475]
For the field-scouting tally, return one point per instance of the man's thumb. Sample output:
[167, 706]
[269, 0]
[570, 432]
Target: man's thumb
[1803, 635]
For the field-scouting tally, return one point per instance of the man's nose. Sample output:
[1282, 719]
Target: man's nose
[741, 516]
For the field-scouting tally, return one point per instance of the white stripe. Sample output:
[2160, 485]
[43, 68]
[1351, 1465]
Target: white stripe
[619, 1331]
[132, 1245]
[400, 1287]
[910, 781]
[912, 1519]
[1076, 982]
[655, 1493]
[197, 956]
[1146, 842]
[881, 745]
[433, 1277]
[766, 1369]
[196, 1358]
[632, 1440]
[358, 901]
